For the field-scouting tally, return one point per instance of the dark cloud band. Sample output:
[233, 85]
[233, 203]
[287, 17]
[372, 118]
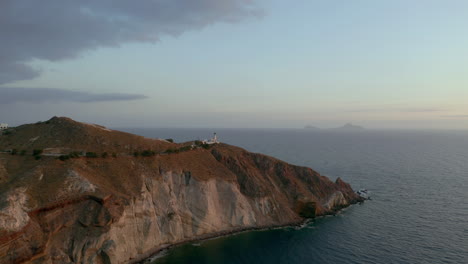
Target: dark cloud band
[55, 29]
[43, 95]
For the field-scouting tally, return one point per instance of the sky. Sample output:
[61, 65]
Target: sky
[236, 63]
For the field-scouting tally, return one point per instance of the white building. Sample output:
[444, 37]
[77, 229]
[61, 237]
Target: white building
[213, 140]
[3, 126]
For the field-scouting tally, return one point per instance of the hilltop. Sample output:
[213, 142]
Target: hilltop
[134, 196]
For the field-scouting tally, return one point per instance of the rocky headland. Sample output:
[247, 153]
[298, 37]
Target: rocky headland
[72, 192]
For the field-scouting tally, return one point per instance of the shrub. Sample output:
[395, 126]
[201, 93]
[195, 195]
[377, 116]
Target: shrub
[74, 154]
[64, 157]
[148, 153]
[37, 157]
[198, 143]
[169, 151]
[136, 154]
[170, 140]
[104, 155]
[37, 152]
[206, 146]
[23, 152]
[185, 148]
[114, 155]
[91, 155]
[14, 151]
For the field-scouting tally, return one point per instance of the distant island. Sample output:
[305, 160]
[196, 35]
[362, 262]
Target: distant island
[345, 127]
[73, 192]
[350, 127]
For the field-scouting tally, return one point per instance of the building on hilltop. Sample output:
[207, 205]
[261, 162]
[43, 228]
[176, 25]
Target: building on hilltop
[213, 140]
[3, 126]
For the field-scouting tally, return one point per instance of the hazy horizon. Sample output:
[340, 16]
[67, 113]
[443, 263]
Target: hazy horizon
[235, 63]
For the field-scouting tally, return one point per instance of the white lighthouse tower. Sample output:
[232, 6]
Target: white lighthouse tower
[213, 140]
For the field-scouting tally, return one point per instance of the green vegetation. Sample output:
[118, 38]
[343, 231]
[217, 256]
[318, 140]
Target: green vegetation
[14, 152]
[148, 153]
[144, 153]
[23, 152]
[206, 146]
[75, 154]
[182, 149]
[91, 155]
[199, 143]
[170, 140]
[64, 157]
[104, 155]
[171, 150]
[37, 152]
[6, 132]
[114, 155]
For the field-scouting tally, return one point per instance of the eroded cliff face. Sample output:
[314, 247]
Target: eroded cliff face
[123, 209]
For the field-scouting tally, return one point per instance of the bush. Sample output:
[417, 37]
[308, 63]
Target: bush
[14, 151]
[186, 148]
[206, 146]
[23, 152]
[37, 157]
[114, 155]
[136, 154]
[169, 151]
[198, 143]
[37, 152]
[148, 153]
[104, 155]
[64, 157]
[170, 140]
[6, 132]
[91, 155]
[74, 154]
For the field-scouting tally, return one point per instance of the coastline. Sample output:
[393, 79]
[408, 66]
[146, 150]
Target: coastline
[157, 252]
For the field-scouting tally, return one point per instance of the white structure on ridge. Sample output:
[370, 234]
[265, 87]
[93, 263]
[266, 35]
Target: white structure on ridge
[3, 126]
[213, 140]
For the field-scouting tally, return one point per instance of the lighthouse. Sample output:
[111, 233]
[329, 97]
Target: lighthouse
[213, 140]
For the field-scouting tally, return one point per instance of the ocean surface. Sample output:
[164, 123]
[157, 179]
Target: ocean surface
[418, 213]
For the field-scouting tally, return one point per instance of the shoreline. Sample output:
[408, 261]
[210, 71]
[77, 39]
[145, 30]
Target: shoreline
[148, 258]
[153, 255]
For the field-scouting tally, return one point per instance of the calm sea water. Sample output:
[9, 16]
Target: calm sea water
[418, 212]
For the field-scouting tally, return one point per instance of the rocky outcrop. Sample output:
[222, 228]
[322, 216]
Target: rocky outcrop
[122, 209]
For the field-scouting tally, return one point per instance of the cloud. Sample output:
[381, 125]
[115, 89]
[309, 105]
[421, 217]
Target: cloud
[397, 110]
[43, 95]
[55, 30]
[454, 116]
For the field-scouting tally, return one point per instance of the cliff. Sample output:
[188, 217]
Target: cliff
[120, 207]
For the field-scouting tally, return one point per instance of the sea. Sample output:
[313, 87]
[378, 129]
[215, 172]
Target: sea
[418, 212]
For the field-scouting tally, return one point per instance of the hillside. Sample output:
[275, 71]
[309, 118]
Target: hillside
[142, 195]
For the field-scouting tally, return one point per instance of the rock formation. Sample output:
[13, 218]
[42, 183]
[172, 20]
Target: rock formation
[136, 195]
